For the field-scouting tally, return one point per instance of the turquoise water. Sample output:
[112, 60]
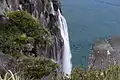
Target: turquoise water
[87, 21]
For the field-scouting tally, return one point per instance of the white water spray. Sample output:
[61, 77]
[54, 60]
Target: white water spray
[108, 52]
[67, 66]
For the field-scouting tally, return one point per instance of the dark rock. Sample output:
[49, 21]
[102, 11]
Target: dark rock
[6, 63]
[3, 21]
[2, 12]
[55, 5]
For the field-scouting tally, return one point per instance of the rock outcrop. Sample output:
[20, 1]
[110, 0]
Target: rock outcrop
[105, 53]
[6, 63]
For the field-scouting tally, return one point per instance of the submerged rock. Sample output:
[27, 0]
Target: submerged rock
[105, 53]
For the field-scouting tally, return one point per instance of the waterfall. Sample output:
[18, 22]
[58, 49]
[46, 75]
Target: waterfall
[67, 66]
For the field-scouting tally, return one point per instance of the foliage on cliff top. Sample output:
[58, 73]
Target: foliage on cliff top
[10, 76]
[36, 68]
[21, 29]
[111, 73]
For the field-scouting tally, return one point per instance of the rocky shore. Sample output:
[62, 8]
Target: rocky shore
[105, 53]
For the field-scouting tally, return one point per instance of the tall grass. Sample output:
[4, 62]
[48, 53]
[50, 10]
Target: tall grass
[10, 76]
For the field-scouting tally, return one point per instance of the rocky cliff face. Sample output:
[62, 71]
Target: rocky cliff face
[41, 9]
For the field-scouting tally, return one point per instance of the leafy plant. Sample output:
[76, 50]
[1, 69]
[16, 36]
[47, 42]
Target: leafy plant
[22, 29]
[111, 73]
[36, 68]
[10, 76]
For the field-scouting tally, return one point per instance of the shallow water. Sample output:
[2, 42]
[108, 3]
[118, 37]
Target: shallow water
[87, 21]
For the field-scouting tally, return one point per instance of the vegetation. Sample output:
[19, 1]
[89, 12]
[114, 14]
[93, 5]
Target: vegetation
[36, 68]
[21, 29]
[10, 76]
[111, 73]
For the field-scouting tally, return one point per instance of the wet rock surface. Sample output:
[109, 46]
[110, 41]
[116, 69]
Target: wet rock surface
[105, 53]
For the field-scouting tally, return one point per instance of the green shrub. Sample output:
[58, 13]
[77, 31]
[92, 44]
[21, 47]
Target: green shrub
[77, 74]
[111, 73]
[36, 68]
[31, 68]
[10, 76]
[22, 29]
[23, 20]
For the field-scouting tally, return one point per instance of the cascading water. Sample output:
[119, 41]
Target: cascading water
[67, 66]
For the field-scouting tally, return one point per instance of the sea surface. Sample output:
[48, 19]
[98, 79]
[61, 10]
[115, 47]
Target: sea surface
[89, 20]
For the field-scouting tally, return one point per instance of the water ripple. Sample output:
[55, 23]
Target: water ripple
[108, 3]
